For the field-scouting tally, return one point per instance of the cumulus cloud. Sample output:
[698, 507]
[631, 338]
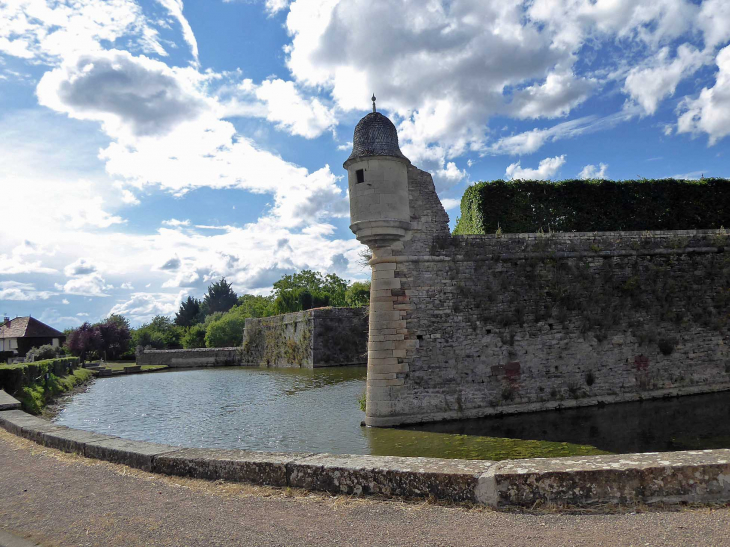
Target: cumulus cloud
[171, 265]
[175, 223]
[290, 111]
[137, 95]
[658, 79]
[593, 172]
[82, 266]
[14, 290]
[142, 307]
[92, 285]
[547, 169]
[710, 112]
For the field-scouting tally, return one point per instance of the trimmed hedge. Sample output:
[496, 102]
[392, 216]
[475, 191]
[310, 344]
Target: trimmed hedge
[15, 377]
[523, 206]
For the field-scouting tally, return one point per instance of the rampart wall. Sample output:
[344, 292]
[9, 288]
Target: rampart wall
[468, 326]
[314, 338]
[191, 358]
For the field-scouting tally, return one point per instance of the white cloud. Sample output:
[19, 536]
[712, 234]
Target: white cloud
[142, 307]
[290, 111]
[450, 203]
[593, 172]
[710, 112]
[82, 266]
[557, 96]
[92, 285]
[175, 223]
[13, 290]
[545, 171]
[175, 7]
[531, 141]
[650, 83]
[131, 96]
[50, 30]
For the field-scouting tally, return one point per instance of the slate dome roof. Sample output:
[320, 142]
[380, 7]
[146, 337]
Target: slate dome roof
[375, 135]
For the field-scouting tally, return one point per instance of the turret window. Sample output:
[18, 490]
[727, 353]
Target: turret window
[360, 173]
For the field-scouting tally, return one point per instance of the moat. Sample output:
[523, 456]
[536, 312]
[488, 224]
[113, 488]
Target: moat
[317, 411]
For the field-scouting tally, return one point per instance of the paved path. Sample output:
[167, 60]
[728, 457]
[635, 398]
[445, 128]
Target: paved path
[57, 499]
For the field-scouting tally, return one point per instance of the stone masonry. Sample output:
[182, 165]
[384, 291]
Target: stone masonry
[469, 326]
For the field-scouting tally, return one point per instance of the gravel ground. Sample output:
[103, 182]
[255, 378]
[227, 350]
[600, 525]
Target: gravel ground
[59, 499]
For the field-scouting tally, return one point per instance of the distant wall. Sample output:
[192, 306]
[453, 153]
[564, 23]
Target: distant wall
[467, 326]
[315, 338]
[191, 358]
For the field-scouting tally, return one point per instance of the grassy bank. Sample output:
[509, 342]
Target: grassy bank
[37, 395]
[36, 384]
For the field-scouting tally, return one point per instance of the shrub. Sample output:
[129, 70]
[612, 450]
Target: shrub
[194, 337]
[42, 352]
[225, 332]
[522, 206]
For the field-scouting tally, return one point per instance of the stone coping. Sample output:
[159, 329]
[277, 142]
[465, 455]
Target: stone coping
[7, 402]
[669, 477]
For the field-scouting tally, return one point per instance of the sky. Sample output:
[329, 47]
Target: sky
[150, 147]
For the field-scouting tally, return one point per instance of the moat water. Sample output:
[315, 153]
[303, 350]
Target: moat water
[298, 410]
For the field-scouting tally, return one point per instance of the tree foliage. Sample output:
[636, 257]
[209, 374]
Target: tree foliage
[219, 298]
[115, 336]
[522, 206]
[84, 340]
[358, 294]
[189, 313]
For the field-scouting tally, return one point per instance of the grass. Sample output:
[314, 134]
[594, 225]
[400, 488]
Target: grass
[36, 396]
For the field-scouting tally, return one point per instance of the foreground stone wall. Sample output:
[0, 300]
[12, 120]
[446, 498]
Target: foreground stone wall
[469, 326]
[672, 477]
[191, 358]
[315, 338]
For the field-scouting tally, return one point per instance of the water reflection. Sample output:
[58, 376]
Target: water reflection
[300, 410]
[680, 423]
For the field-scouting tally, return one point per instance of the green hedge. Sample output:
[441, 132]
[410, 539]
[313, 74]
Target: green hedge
[522, 206]
[14, 377]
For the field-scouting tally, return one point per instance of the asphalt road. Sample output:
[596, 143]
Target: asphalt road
[53, 498]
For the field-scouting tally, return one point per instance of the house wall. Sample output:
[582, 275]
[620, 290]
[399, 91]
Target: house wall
[469, 326]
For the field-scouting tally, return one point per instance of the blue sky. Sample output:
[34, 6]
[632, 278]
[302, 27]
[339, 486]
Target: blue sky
[149, 147]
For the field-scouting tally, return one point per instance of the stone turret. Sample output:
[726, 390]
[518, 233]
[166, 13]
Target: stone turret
[378, 181]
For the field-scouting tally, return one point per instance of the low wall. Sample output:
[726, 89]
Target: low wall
[673, 477]
[314, 338]
[191, 358]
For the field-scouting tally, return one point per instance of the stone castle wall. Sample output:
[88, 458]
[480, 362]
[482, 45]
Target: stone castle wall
[468, 326]
[191, 358]
[314, 338]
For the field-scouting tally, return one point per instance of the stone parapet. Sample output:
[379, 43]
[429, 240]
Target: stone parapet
[670, 477]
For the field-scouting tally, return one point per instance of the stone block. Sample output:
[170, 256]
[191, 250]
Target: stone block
[451, 480]
[7, 402]
[70, 440]
[136, 454]
[692, 476]
[267, 468]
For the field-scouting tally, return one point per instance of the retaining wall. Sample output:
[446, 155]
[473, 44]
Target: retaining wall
[320, 337]
[470, 326]
[698, 476]
[191, 358]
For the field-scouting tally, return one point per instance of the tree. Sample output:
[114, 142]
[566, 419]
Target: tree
[115, 336]
[160, 333]
[189, 313]
[256, 306]
[84, 341]
[336, 288]
[226, 331]
[291, 300]
[194, 337]
[220, 297]
[358, 294]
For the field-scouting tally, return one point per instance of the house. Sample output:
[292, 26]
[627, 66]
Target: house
[22, 333]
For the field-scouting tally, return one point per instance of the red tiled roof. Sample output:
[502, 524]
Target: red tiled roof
[27, 327]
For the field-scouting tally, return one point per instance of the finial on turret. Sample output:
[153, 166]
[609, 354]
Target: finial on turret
[373, 99]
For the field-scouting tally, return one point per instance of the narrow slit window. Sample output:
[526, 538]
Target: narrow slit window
[360, 175]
